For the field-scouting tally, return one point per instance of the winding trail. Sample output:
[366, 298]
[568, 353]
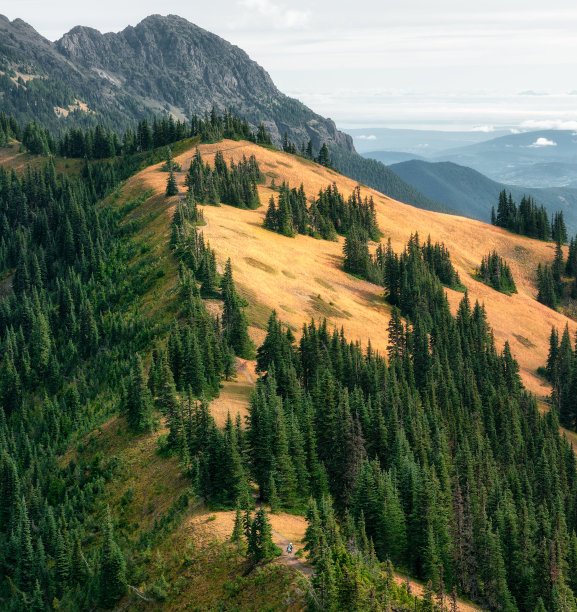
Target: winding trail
[289, 558]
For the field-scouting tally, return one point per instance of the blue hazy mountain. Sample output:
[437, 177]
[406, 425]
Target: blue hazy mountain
[545, 158]
[472, 194]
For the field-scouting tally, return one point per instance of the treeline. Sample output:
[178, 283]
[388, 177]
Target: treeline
[200, 350]
[561, 372]
[437, 460]
[235, 185]
[9, 129]
[70, 339]
[101, 142]
[200, 260]
[418, 454]
[495, 272]
[528, 219]
[328, 215]
[558, 282]
[409, 277]
[323, 158]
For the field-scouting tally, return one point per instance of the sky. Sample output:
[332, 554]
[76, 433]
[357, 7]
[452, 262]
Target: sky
[447, 64]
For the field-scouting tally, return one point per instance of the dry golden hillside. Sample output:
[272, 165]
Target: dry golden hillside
[302, 277]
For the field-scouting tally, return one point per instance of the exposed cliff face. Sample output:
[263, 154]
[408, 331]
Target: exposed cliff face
[167, 63]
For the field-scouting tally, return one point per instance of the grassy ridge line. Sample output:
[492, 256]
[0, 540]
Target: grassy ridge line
[301, 277]
[267, 268]
[283, 272]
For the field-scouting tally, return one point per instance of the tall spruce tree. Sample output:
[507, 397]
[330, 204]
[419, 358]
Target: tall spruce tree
[111, 574]
[234, 320]
[139, 399]
[171, 184]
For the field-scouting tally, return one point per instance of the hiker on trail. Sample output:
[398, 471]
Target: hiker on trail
[289, 548]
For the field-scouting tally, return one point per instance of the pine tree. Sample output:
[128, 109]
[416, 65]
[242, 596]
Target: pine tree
[171, 184]
[139, 400]
[271, 217]
[546, 286]
[262, 136]
[111, 574]
[356, 252]
[233, 318]
[324, 580]
[238, 529]
[25, 571]
[62, 567]
[324, 158]
[273, 498]
[557, 270]
[553, 355]
[260, 544]
[428, 595]
[36, 602]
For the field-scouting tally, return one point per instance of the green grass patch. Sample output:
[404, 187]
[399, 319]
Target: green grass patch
[327, 309]
[255, 263]
[323, 283]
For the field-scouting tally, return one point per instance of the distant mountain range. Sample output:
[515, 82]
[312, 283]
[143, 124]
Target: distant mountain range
[392, 157]
[472, 194]
[543, 158]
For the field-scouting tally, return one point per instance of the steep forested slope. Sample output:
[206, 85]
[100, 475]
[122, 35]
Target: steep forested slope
[436, 458]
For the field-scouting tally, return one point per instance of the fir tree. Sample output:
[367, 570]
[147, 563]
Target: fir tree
[171, 184]
[260, 544]
[233, 318]
[111, 569]
[139, 399]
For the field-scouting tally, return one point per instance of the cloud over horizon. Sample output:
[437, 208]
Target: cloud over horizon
[542, 142]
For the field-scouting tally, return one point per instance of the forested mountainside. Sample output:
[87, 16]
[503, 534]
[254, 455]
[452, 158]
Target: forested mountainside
[135, 469]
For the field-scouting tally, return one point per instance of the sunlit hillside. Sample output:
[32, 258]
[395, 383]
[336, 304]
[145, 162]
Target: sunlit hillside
[302, 277]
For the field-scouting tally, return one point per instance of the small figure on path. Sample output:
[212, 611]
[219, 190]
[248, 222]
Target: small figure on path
[289, 548]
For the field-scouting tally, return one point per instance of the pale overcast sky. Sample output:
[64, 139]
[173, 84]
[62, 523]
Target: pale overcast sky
[446, 63]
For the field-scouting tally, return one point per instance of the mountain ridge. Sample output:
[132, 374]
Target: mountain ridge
[179, 76]
[540, 158]
[164, 65]
[471, 193]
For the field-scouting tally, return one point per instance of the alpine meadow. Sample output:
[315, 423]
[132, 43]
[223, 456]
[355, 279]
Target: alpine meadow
[243, 367]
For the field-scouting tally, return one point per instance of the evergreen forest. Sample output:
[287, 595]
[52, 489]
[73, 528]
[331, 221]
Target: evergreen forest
[328, 215]
[528, 219]
[431, 459]
[495, 272]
